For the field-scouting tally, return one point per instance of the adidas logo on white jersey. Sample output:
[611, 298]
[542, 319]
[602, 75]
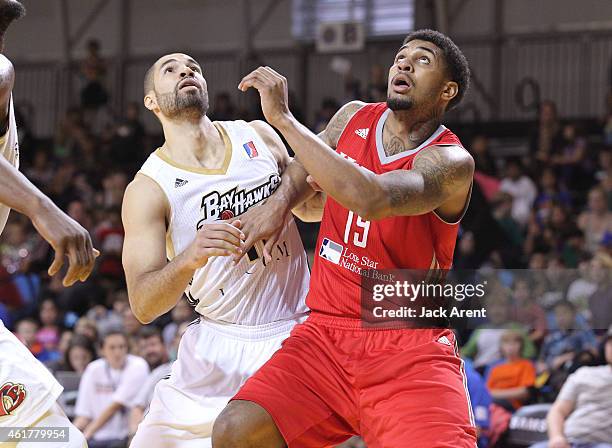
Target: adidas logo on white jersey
[363, 133]
[179, 182]
[444, 340]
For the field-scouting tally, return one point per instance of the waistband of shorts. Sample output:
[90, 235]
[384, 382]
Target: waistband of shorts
[355, 323]
[268, 330]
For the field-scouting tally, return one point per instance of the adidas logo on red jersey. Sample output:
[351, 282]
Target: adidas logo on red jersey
[363, 133]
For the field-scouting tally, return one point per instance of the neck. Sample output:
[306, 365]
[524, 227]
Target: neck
[199, 135]
[405, 130]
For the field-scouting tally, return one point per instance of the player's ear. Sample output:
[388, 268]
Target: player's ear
[150, 102]
[450, 91]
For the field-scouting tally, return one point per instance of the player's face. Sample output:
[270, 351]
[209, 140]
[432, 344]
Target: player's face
[180, 87]
[417, 76]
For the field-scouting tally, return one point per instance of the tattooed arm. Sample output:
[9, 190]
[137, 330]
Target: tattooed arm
[440, 178]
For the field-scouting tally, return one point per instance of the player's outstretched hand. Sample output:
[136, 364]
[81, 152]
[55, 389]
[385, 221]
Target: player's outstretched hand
[261, 224]
[67, 238]
[272, 88]
[215, 240]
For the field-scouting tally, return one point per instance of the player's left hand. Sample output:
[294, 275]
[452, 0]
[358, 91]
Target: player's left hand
[272, 88]
[264, 222]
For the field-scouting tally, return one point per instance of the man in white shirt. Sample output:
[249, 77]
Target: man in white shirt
[521, 188]
[581, 415]
[107, 390]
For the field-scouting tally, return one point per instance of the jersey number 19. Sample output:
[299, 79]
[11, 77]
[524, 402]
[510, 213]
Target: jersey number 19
[360, 236]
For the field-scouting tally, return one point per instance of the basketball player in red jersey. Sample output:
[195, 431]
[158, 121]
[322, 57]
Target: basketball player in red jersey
[397, 184]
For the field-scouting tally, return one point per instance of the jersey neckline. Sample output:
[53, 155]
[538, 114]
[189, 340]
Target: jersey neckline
[209, 171]
[384, 158]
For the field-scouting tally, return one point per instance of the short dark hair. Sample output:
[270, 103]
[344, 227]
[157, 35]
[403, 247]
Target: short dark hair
[456, 63]
[113, 332]
[78, 340]
[149, 81]
[149, 331]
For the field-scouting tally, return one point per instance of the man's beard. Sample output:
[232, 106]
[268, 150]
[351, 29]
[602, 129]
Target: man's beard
[399, 103]
[178, 104]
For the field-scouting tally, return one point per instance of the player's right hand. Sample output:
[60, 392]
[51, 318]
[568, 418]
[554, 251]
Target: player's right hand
[67, 238]
[215, 240]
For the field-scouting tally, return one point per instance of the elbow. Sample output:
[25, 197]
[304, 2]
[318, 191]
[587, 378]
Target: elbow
[143, 317]
[370, 208]
[140, 312]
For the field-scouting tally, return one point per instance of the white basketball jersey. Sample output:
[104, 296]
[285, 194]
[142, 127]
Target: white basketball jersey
[9, 149]
[252, 292]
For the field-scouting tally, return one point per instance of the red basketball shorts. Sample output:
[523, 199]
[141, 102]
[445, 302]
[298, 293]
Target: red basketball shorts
[396, 388]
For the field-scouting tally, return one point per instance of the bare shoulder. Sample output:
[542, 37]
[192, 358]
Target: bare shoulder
[449, 165]
[144, 197]
[336, 125]
[272, 141]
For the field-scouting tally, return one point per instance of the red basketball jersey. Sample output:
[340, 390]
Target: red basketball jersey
[348, 244]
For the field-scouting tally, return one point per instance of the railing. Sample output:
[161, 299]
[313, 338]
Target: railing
[573, 69]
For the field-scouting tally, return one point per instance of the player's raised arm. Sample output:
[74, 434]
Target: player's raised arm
[441, 176]
[154, 284]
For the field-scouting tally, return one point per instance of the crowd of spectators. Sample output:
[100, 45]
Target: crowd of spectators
[547, 209]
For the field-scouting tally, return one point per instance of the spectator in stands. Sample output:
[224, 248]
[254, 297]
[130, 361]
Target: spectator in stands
[25, 330]
[376, 91]
[174, 344]
[155, 353]
[550, 192]
[329, 107]
[521, 188]
[484, 161]
[223, 108]
[127, 142]
[483, 347]
[480, 399]
[93, 69]
[569, 158]
[107, 389]
[132, 326]
[581, 414]
[111, 317]
[596, 220]
[49, 333]
[502, 212]
[151, 346]
[182, 312]
[41, 171]
[600, 302]
[604, 174]
[526, 311]
[548, 135]
[86, 327]
[564, 346]
[583, 286]
[80, 352]
[509, 380]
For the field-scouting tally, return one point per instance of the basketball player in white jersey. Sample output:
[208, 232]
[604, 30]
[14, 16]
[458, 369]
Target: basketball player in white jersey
[182, 234]
[28, 391]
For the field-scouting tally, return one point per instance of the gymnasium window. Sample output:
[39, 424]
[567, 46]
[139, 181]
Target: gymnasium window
[381, 17]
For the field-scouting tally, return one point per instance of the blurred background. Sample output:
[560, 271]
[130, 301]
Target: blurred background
[537, 120]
